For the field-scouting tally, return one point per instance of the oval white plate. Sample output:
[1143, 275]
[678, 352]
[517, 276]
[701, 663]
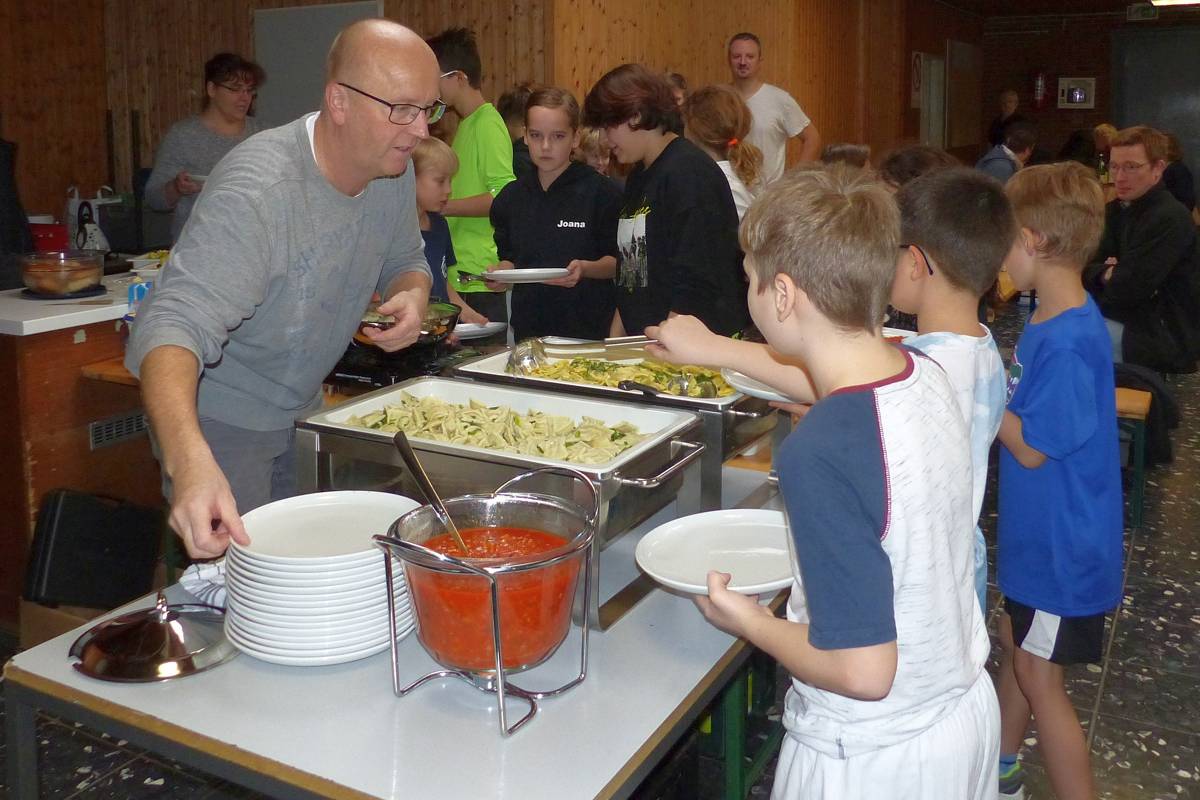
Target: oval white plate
[472, 330]
[527, 275]
[903, 334]
[749, 544]
[332, 527]
[747, 385]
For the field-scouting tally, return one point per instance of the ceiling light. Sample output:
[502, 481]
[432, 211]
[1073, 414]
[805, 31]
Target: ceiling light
[1175, 2]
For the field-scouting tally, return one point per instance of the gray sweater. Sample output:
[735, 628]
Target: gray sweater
[270, 278]
[189, 145]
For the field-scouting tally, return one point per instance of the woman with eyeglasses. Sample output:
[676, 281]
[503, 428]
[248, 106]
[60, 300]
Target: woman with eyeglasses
[192, 147]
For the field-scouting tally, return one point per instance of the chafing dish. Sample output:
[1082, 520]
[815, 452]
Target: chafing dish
[661, 469]
[728, 425]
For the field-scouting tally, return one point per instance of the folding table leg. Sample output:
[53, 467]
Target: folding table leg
[20, 723]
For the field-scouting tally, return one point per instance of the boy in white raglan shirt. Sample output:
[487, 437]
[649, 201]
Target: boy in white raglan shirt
[883, 636]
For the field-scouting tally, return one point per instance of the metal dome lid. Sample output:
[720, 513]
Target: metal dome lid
[154, 644]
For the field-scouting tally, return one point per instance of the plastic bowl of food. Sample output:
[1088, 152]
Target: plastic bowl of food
[531, 545]
[62, 272]
[440, 319]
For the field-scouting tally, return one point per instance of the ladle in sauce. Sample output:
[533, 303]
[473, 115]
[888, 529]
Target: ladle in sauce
[426, 487]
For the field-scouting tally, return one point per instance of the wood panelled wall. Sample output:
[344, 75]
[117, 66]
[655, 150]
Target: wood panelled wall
[156, 51]
[52, 99]
[66, 63]
[838, 58]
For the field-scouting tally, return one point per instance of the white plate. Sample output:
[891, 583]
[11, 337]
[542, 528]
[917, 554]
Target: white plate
[903, 334]
[304, 661]
[332, 632]
[309, 606]
[314, 578]
[297, 625]
[362, 564]
[749, 544]
[526, 275]
[142, 265]
[308, 645]
[310, 583]
[473, 330]
[747, 385]
[290, 598]
[327, 527]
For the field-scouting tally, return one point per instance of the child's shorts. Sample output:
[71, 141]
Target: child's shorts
[1059, 640]
[958, 758]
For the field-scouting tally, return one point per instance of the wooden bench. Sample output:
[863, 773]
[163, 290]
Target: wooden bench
[1133, 406]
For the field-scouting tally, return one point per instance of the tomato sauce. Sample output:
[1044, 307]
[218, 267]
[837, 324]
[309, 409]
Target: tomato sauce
[454, 612]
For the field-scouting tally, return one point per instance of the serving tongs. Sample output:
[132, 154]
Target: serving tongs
[528, 355]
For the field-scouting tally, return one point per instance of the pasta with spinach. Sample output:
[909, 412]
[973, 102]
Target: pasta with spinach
[536, 433]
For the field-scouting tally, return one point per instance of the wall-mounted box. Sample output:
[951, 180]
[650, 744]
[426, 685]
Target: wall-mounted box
[1076, 92]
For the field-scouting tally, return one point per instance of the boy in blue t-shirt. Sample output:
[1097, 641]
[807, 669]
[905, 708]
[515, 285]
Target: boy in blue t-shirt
[883, 636]
[1059, 553]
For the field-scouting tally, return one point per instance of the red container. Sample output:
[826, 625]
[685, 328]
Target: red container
[49, 236]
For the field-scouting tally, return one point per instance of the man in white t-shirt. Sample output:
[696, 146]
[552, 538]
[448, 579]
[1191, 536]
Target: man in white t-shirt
[777, 116]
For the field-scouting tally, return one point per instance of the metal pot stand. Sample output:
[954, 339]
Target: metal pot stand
[494, 682]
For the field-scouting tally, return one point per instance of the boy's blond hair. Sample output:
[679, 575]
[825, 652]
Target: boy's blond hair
[433, 152]
[835, 231]
[1064, 204]
[589, 141]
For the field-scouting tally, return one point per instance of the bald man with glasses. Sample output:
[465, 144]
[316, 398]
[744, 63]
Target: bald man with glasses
[296, 229]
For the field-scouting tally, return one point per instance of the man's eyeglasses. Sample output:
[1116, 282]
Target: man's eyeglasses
[924, 255]
[250, 90]
[1118, 168]
[404, 113]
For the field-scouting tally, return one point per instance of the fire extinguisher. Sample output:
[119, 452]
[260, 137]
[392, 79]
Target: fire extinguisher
[1041, 90]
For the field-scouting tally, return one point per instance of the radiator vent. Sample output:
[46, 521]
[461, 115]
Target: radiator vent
[121, 428]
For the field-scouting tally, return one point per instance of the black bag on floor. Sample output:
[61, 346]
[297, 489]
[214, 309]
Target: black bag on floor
[92, 551]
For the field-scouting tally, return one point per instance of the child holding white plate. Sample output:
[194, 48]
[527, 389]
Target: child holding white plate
[563, 215]
[883, 636]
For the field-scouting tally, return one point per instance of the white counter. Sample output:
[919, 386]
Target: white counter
[22, 316]
[343, 725]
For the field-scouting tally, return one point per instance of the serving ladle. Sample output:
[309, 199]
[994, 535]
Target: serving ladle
[426, 487]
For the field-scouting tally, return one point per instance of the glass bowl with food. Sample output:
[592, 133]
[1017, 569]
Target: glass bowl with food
[62, 273]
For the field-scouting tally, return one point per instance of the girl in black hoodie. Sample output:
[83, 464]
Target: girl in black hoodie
[562, 215]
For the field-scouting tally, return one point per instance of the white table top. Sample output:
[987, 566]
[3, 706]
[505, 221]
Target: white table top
[22, 316]
[343, 724]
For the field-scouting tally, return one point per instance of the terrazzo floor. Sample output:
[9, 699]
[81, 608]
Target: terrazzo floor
[1140, 708]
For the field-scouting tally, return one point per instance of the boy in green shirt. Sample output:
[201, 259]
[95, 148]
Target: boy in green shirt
[485, 167]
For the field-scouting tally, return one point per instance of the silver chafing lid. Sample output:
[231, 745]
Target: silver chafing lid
[154, 644]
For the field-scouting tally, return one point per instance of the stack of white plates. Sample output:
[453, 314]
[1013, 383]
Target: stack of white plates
[310, 588]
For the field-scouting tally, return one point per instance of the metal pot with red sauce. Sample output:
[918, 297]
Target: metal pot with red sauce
[454, 611]
[530, 547]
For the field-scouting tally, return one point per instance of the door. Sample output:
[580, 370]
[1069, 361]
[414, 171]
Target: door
[1154, 83]
[933, 100]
